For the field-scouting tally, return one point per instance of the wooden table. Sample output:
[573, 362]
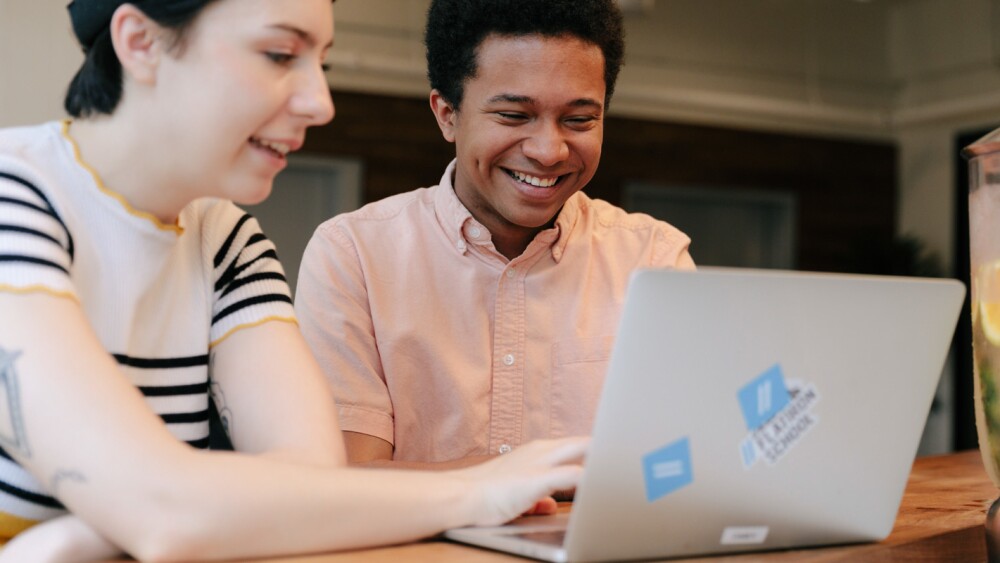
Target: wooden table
[940, 519]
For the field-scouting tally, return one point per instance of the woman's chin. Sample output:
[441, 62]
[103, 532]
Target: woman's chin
[255, 197]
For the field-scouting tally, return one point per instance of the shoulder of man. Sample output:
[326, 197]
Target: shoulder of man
[607, 216]
[400, 209]
[666, 245]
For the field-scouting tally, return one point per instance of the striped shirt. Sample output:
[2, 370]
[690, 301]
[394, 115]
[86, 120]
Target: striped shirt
[158, 296]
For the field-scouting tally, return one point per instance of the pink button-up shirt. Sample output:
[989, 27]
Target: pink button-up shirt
[436, 343]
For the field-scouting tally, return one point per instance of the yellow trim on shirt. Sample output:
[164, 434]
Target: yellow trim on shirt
[11, 526]
[115, 195]
[38, 289]
[233, 330]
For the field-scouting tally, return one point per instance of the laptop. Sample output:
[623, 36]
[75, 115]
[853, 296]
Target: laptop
[750, 410]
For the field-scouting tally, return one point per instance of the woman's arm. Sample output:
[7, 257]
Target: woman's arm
[272, 397]
[62, 539]
[82, 429]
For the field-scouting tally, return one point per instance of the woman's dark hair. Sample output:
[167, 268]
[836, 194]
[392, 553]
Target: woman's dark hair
[97, 86]
[456, 28]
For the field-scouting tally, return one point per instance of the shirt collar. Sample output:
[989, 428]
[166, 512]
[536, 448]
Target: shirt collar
[463, 229]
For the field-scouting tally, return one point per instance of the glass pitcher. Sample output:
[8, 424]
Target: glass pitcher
[984, 258]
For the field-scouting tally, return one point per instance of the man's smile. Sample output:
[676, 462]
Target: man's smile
[535, 181]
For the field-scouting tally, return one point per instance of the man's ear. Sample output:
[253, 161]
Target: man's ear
[445, 114]
[138, 42]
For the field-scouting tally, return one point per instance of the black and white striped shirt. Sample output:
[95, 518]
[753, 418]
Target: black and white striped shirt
[158, 296]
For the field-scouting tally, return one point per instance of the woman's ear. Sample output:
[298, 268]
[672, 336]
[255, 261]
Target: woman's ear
[138, 42]
[445, 115]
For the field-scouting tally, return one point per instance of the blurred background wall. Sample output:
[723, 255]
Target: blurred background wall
[826, 130]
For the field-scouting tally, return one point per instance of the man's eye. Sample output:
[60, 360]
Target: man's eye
[511, 116]
[582, 123]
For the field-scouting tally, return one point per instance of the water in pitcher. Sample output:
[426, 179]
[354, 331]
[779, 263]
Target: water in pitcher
[984, 232]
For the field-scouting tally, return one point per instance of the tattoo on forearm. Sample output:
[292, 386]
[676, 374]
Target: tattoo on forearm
[225, 415]
[12, 433]
[64, 475]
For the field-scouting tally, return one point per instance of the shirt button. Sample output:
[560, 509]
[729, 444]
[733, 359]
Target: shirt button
[475, 232]
[508, 359]
[461, 246]
[511, 272]
[504, 449]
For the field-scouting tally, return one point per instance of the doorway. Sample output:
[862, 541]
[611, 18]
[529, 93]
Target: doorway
[309, 191]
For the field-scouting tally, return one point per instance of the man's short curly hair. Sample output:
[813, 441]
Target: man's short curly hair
[456, 28]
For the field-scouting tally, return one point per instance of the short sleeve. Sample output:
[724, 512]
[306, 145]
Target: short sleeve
[333, 306]
[249, 283]
[671, 249]
[36, 247]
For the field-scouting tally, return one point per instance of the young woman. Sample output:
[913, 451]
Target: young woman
[131, 286]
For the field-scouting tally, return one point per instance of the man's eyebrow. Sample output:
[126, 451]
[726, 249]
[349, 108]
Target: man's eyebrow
[520, 99]
[587, 102]
[511, 98]
[301, 33]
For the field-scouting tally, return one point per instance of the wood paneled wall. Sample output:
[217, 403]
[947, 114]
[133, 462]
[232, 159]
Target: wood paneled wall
[846, 189]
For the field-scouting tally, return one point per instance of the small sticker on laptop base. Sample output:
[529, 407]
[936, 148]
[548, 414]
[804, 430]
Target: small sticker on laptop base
[667, 469]
[744, 535]
[778, 414]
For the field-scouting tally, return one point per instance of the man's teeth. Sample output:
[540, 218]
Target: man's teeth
[280, 148]
[535, 181]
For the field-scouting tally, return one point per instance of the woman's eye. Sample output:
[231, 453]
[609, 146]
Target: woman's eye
[280, 58]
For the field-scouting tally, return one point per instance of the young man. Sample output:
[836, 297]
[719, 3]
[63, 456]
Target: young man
[460, 321]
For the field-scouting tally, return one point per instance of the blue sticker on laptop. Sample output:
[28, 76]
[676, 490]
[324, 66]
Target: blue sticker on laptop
[667, 469]
[778, 413]
[764, 397]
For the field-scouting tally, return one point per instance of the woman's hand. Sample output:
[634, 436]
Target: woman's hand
[523, 480]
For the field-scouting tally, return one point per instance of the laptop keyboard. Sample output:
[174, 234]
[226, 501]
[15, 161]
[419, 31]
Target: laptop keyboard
[551, 537]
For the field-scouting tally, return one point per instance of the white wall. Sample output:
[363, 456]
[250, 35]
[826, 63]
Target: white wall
[944, 54]
[37, 60]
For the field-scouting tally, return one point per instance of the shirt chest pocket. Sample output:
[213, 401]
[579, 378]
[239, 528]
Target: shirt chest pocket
[578, 369]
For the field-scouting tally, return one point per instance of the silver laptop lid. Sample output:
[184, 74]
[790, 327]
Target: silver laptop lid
[759, 409]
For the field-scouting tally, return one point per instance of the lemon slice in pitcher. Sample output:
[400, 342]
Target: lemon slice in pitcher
[989, 319]
[989, 302]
